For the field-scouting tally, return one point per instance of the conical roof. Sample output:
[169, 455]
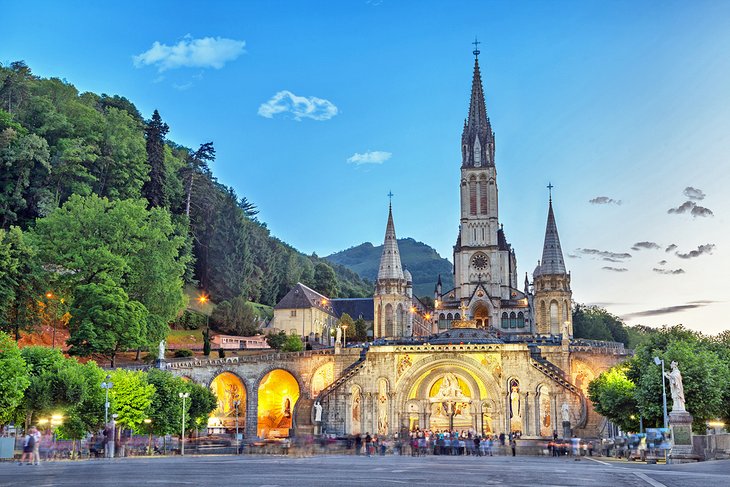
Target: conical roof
[390, 265]
[477, 107]
[552, 255]
[477, 138]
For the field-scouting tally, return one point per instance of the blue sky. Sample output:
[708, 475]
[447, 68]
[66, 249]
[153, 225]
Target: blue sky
[624, 100]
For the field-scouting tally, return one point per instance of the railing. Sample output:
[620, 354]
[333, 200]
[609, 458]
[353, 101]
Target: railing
[347, 373]
[558, 375]
[187, 362]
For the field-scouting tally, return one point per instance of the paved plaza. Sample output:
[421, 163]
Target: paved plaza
[374, 471]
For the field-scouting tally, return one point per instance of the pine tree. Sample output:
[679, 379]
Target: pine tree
[154, 189]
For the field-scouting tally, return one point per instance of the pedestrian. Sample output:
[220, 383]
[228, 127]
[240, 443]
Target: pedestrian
[358, 444]
[368, 440]
[513, 445]
[501, 439]
[36, 446]
[28, 445]
[477, 451]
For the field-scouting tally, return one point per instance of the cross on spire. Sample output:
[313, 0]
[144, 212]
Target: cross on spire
[550, 189]
[476, 47]
[390, 198]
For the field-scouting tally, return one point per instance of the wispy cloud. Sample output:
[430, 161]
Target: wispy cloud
[605, 254]
[645, 245]
[298, 106]
[206, 52]
[668, 271]
[693, 208]
[183, 87]
[670, 247]
[694, 193]
[615, 269]
[369, 157]
[604, 200]
[702, 249]
[667, 310]
[662, 262]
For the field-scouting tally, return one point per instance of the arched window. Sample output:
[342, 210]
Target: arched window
[473, 197]
[554, 325]
[483, 197]
[442, 316]
[505, 320]
[389, 320]
[520, 320]
[512, 320]
[457, 316]
[477, 152]
[449, 317]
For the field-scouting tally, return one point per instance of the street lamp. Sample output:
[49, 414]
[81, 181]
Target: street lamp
[183, 395]
[49, 297]
[106, 385]
[148, 422]
[237, 403]
[344, 336]
[659, 361]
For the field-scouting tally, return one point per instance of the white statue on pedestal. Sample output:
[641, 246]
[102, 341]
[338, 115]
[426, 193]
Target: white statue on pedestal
[161, 351]
[317, 412]
[565, 411]
[338, 337]
[677, 388]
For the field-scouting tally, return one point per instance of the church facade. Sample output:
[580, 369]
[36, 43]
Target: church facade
[490, 358]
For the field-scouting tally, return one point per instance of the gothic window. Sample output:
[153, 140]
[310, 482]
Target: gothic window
[456, 316]
[554, 315]
[512, 320]
[505, 320]
[399, 321]
[477, 152]
[473, 197]
[543, 318]
[565, 311]
[520, 320]
[482, 197]
[442, 316]
[449, 317]
[389, 320]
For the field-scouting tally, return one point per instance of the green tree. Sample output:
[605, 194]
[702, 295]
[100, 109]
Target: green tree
[197, 166]
[202, 402]
[276, 340]
[131, 397]
[24, 162]
[293, 343]
[361, 331]
[154, 189]
[236, 317]
[596, 323]
[325, 281]
[614, 396]
[105, 321]
[14, 379]
[166, 407]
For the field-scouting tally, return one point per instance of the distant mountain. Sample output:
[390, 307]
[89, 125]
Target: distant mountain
[423, 262]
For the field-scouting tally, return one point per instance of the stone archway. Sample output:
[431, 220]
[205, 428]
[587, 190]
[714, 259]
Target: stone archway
[278, 393]
[480, 313]
[230, 393]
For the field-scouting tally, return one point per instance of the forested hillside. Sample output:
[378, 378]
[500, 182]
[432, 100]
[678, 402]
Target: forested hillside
[68, 157]
[423, 262]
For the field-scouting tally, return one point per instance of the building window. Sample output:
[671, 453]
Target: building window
[554, 316]
[520, 320]
[512, 320]
[482, 197]
[473, 197]
[505, 320]
[293, 313]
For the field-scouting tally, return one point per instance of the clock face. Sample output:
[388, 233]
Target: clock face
[480, 262]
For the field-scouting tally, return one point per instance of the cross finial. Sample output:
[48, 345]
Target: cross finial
[390, 198]
[476, 47]
[550, 189]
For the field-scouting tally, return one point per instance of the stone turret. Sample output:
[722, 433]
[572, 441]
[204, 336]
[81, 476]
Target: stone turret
[393, 291]
[551, 284]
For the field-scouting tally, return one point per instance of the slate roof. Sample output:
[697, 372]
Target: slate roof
[355, 307]
[301, 297]
[552, 262]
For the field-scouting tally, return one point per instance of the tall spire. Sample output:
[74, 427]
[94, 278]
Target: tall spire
[390, 265]
[477, 139]
[552, 254]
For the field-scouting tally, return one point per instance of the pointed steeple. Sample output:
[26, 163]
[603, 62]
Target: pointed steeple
[390, 265]
[477, 139]
[552, 254]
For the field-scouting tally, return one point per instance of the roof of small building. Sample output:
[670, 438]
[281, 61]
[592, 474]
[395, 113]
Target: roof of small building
[302, 297]
[355, 307]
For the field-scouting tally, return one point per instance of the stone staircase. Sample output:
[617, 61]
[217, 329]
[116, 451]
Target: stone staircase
[346, 374]
[558, 375]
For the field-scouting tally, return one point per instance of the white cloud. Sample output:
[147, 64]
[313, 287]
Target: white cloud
[299, 106]
[369, 157]
[207, 52]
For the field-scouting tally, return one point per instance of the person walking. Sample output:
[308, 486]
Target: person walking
[368, 441]
[28, 445]
[513, 445]
[36, 446]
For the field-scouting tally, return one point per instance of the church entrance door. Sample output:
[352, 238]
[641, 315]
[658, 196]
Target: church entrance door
[481, 315]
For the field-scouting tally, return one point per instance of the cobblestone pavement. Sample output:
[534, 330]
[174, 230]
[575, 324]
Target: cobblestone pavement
[344, 470]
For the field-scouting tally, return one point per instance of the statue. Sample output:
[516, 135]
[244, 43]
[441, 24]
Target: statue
[449, 389]
[676, 386]
[566, 330]
[161, 351]
[317, 412]
[338, 338]
[565, 411]
[356, 408]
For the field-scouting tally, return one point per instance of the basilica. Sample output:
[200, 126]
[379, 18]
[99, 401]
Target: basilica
[492, 356]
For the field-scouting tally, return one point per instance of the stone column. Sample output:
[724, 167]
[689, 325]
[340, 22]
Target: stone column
[526, 413]
[252, 411]
[507, 417]
[538, 414]
[347, 421]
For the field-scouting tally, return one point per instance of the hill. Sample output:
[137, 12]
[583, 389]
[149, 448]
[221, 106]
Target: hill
[423, 262]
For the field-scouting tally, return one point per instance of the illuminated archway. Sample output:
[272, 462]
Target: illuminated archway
[231, 397]
[481, 315]
[278, 394]
[323, 377]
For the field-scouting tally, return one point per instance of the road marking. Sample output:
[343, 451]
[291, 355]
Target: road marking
[599, 461]
[648, 480]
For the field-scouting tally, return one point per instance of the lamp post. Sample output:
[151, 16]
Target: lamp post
[49, 297]
[236, 404]
[658, 361]
[344, 336]
[106, 385]
[183, 395]
[148, 422]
